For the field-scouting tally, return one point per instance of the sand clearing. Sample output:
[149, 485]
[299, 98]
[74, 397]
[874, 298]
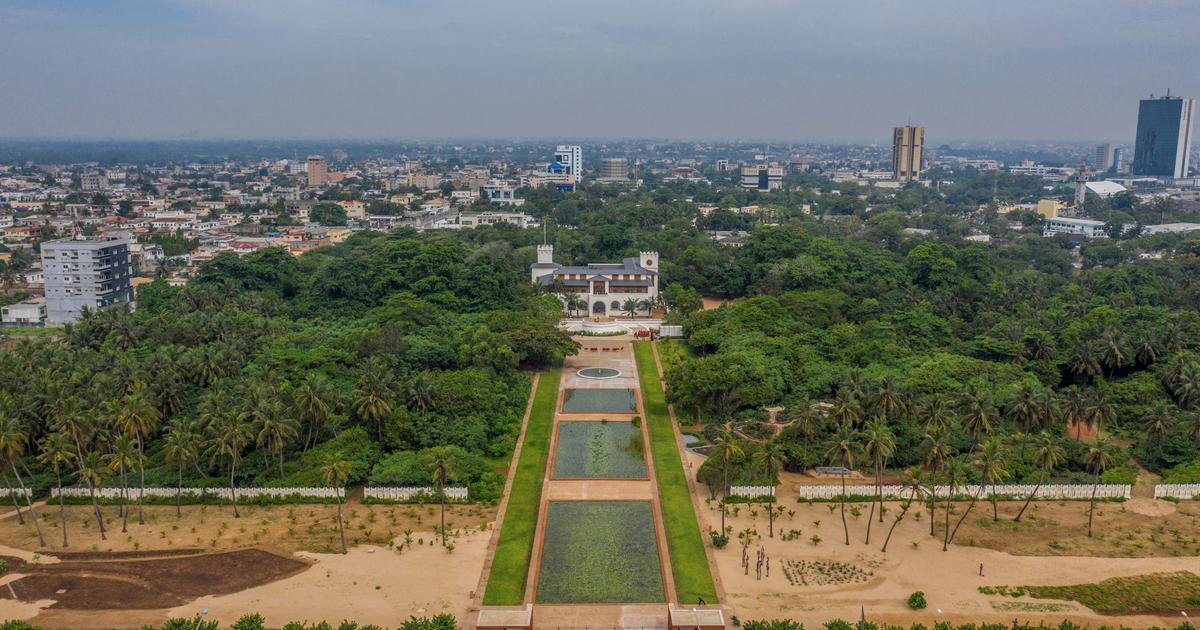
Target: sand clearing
[949, 579]
[370, 584]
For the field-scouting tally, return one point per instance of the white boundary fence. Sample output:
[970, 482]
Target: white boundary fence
[752, 491]
[1177, 490]
[8, 492]
[320, 492]
[1048, 491]
[410, 493]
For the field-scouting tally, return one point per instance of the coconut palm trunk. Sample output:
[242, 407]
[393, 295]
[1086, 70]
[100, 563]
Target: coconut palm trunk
[91, 487]
[62, 506]
[845, 527]
[1038, 487]
[124, 500]
[899, 517]
[341, 523]
[33, 513]
[233, 489]
[949, 497]
[962, 518]
[179, 492]
[1092, 507]
[20, 516]
[141, 479]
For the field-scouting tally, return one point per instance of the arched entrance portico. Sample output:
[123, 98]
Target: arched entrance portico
[598, 308]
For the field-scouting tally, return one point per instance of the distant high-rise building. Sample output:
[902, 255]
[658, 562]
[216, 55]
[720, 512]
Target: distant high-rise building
[1164, 137]
[908, 143]
[570, 157]
[318, 172]
[614, 169]
[90, 272]
[761, 177]
[1105, 159]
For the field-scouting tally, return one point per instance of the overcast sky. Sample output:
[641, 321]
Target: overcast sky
[833, 70]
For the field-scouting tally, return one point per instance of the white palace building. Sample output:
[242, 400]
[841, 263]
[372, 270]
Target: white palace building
[603, 286]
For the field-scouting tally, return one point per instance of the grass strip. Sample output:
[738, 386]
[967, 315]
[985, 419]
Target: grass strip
[1153, 593]
[510, 564]
[689, 563]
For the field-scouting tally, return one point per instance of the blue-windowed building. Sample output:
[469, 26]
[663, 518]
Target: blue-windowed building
[1164, 137]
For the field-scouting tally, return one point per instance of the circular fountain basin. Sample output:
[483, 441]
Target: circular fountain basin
[599, 372]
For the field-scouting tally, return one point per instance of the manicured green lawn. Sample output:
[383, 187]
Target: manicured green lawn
[510, 566]
[600, 552]
[689, 564]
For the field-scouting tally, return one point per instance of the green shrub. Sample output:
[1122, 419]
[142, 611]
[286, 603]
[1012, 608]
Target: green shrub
[250, 621]
[1183, 473]
[774, 624]
[719, 540]
[916, 601]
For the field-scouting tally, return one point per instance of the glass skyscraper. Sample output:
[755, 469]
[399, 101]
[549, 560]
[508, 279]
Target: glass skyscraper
[1164, 137]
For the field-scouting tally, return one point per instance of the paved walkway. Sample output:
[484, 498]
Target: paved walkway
[616, 353]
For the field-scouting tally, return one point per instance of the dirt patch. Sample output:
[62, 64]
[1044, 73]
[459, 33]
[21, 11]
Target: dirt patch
[148, 582]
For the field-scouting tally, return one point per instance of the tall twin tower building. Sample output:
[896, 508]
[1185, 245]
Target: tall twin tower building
[908, 143]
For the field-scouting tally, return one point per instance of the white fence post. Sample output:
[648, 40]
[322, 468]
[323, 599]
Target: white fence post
[1183, 491]
[410, 493]
[1016, 491]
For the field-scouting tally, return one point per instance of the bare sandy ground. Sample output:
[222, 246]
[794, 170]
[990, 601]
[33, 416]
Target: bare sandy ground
[914, 562]
[370, 584]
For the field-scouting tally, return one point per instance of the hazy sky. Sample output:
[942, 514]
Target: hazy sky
[572, 69]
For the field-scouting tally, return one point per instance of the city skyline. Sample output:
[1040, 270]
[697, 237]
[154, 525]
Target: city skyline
[767, 70]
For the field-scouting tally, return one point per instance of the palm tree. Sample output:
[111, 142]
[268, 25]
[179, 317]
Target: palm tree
[988, 460]
[1193, 424]
[953, 474]
[1074, 406]
[92, 469]
[768, 460]
[646, 305]
[334, 471]
[1047, 455]
[139, 417]
[180, 448]
[1158, 420]
[13, 441]
[571, 301]
[275, 428]
[888, 400]
[56, 451]
[1099, 457]
[1028, 408]
[938, 452]
[914, 480]
[1185, 384]
[1084, 358]
[228, 439]
[313, 400]
[123, 455]
[420, 392]
[371, 396]
[842, 451]
[726, 448]
[976, 416]
[879, 444]
[938, 416]
[845, 411]
[1114, 353]
[443, 465]
[1100, 412]
[630, 307]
